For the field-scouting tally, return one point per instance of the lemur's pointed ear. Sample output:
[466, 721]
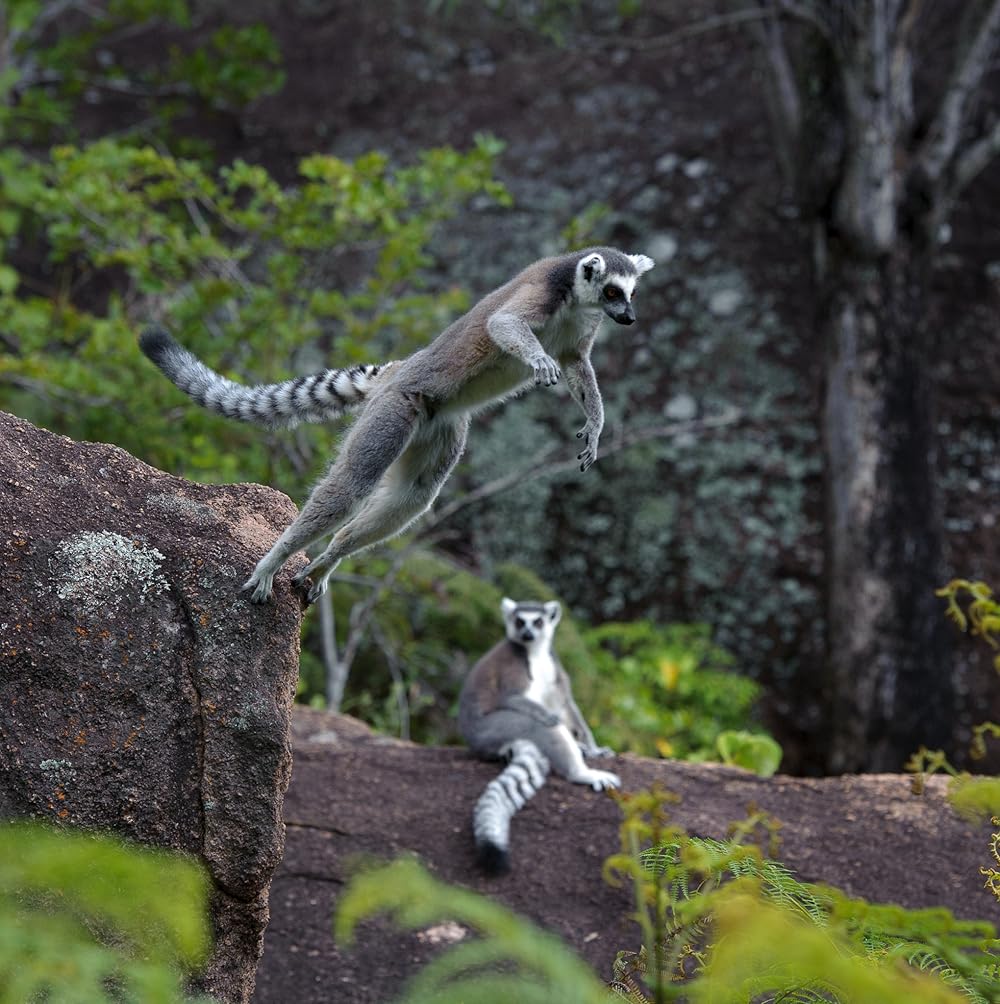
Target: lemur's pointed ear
[643, 263]
[553, 611]
[507, 606]
[592, 265]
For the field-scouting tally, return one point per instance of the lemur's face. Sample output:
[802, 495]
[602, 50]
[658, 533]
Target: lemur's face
[530, 624]
[611, 283]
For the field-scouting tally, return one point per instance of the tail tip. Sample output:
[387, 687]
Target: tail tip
[493, 860]
[155, 343]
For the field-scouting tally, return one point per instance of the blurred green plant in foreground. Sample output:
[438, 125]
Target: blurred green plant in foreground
[85, 919]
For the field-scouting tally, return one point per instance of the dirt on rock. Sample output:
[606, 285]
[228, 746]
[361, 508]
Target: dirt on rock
[355, 796]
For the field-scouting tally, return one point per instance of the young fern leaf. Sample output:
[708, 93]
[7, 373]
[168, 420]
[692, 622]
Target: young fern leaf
[544, 968]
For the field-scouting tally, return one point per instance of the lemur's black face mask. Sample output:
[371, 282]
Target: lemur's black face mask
[616, 304]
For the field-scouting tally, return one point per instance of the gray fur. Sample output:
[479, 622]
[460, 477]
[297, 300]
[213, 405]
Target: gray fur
[414, 413]
[498, 719]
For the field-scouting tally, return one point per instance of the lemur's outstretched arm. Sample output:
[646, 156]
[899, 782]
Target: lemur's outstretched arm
[512, 333]
[582, 382]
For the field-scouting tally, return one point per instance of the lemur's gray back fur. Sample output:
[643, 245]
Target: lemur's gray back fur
[319, 397]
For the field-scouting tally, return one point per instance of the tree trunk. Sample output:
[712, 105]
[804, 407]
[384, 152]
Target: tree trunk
[888, 686]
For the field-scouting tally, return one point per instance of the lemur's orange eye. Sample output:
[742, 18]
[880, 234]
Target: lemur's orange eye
[612, 292]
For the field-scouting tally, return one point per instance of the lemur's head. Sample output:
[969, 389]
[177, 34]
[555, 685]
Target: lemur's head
[606, 278]
[530, 624]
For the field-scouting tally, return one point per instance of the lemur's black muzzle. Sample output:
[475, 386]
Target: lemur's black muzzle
[626, 315]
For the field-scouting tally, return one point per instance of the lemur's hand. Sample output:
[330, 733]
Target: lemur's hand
[546, 369]
[597, 751]
[590, 435]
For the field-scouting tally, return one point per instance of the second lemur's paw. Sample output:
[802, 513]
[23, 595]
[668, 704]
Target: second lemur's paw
[546, 370]
[598, 751]
[316, 590]
[600, 780]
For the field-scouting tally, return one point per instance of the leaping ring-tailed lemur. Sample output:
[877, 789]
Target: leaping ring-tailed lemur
[415, 412]
[516, 702]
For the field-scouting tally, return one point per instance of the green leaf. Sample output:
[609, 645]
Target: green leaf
[749, 750]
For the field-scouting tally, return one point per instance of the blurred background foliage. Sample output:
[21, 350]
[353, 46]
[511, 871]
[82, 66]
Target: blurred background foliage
[105, 228]
[267, 187]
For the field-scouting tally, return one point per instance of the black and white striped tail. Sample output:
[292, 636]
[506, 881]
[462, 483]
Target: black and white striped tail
[503, 796]
[320, 397]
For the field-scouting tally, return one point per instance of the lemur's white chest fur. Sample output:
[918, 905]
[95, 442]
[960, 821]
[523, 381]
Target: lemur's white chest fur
[542, 670]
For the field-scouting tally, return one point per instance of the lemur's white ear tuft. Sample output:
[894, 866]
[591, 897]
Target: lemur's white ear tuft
[592, 265]
[507, 606]
[643, 263]
[553, 611]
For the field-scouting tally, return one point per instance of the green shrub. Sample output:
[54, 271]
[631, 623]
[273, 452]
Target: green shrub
[665, 690]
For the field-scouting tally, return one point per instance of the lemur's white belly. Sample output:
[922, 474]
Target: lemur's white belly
[542, 668]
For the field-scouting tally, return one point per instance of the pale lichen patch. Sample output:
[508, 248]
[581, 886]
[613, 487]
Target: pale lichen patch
[97, 571]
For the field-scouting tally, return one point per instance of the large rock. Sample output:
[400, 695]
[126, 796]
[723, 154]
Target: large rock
[140, 692]
[355, 795]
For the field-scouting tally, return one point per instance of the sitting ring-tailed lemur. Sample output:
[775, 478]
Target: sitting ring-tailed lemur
[516, 702]
[415, 411]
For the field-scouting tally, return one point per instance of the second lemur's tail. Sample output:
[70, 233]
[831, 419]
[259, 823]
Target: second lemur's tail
[503, 796]
[319, 397]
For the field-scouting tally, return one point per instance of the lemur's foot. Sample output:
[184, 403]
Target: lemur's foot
[259, 589]
[590, 435]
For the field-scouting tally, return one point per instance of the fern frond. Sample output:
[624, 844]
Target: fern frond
[926, 961]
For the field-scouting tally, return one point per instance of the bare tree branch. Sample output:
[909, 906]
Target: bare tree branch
[977, 40]
[718, 22]
[975, 158]
[785, 100]
[332, 667]
[542, 465]
[361, 616]
[392, 661]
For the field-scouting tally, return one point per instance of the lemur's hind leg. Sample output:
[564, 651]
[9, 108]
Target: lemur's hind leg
[378, 437]
[406, 490]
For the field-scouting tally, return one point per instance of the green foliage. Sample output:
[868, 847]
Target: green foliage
[667, 690]
[230, 248]
[981, 614]
[973, 798]
[54, 59]
[749, 750]
[84, 919]
[722, 922]
[509, 960]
